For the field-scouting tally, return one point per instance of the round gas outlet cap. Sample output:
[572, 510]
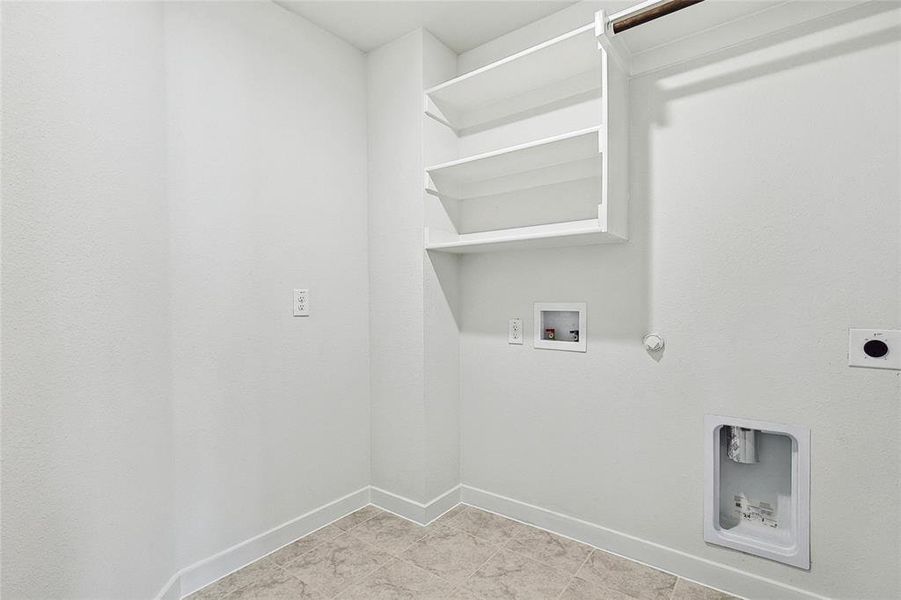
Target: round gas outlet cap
[653, 342]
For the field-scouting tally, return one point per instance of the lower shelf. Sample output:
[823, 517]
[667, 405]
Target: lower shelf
[572, 233]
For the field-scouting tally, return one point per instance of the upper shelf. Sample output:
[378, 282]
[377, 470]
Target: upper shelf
[574, 155]
[565, 67]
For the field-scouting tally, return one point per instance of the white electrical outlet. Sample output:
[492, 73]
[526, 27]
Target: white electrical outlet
[514, 331]
[874, 348]
[301, 302]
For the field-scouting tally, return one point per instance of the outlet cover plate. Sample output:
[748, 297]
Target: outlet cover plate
[301, 302]
[857, 338]
[514, 331]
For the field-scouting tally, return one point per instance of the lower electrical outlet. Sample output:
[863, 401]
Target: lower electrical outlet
[514, 331]
[301, 302]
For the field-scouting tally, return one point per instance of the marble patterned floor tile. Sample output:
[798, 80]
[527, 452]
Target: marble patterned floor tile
[450, 553]
[399, 580]
[357, 517]
[579, 589]
[335, 565]
[464, 594]
[608, 570]
[433, 527]
[251, 574]
[303, 545]
[277, 585]
[488, 526]
[210, 592]
[389, 532]
[553, 550]
[451, 515]
[687, 590]
[488, 557]
[511, 576]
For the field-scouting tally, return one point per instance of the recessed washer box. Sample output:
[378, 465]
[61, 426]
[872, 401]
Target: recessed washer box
[561, 326]
[761, 508]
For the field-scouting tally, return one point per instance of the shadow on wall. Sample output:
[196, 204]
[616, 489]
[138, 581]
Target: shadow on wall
[616, 279]
[447, 271]
[879, 37]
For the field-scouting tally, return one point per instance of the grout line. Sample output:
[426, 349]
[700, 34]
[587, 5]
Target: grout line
[497, 550]
[573, 577]
[539, 561]
[566, 587]
[456, 586]
[584, 562]
[363, 578]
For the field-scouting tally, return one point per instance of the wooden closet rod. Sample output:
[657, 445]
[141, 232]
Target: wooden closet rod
[649, 14]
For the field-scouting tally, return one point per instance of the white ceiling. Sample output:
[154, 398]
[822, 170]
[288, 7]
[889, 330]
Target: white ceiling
[461, 25]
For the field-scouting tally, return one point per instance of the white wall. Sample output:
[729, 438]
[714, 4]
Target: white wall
[394, 78]
[441, 299]
[413, 321]
[87, 442]
[267, 184]
[170, 174]
[764, 223]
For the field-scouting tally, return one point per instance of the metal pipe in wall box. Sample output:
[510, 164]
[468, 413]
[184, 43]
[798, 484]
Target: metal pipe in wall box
[742, 445]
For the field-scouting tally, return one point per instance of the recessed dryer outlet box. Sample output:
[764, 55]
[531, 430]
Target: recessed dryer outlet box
[874, 348]
[760, 506]
[561, 326]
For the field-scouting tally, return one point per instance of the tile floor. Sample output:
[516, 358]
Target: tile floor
[467, 554]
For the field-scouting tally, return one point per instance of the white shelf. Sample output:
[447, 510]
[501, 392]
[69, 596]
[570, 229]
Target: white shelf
[567, 66]
[574, 155]
[572, 233]
[510, 198]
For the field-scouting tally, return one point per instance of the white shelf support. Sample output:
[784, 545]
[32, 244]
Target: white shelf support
[609, 43]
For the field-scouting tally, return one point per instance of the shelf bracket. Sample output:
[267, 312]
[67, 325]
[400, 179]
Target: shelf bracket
[431, 109]
[607, 41]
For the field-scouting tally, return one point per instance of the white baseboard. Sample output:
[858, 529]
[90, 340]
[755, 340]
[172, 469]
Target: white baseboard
[694, 568]
[412, 510]
[172, 589]
[687, 566]
[202, 573]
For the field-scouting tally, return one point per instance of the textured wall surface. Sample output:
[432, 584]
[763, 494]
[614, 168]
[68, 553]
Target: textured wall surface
[170, 174]
[87, 436]
[267, 185]
[441, 301]
[394, 75]
[415, 345]
[764, 223]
